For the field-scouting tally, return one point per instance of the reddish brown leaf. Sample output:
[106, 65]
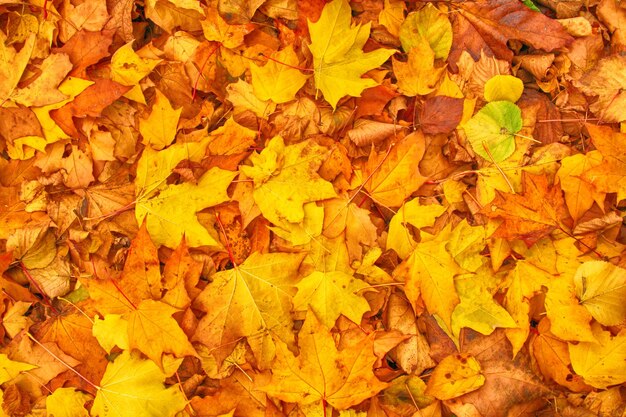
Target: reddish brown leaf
[441, 114]
[90, 102]
[489, 24]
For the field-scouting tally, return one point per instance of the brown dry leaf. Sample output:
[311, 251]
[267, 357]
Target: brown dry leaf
[508, 383]
[489, 24]
[607, 81]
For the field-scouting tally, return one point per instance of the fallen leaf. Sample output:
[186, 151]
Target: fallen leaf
[254, 298]
[168, 221]
[67, 402]
[489, 24]
[538, 211]
[607, 81]
[601, 363]
[454, 376]
[600, 287]
[159, 128]
[338, 58]
[278, 80]
[132, 385]
[491, 131]
[609, 175]
[283, 182]
[393, 176]
[321, 374]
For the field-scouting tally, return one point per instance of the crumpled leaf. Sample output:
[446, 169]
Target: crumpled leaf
[134, 386]
[489, 24]
[607, 81]
[321, 372]
[338, 58]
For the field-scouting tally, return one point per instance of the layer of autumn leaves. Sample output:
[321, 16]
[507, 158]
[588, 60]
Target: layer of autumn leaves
[280, 208]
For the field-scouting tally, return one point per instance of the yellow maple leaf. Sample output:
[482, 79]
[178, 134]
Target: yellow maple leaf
[331, 294]
[278, 81]
[13, 64]
[154, 166]
[10, 369]
[431, 275]
[394, 176]
[477, 309]
[252, 300]
[321, 373]
[338, 57]
[153, 331]
[418, 76]
[111, 331]
[412, 212]
[134, 387]
[168, 220]
[610, 175]
[579, 194]
[128, 68]
[159, 128]
[285, 178]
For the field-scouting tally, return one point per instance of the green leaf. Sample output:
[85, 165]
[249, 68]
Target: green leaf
[491, 132]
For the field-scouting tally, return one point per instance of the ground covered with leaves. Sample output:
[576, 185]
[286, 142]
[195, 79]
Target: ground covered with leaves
[268, 208]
